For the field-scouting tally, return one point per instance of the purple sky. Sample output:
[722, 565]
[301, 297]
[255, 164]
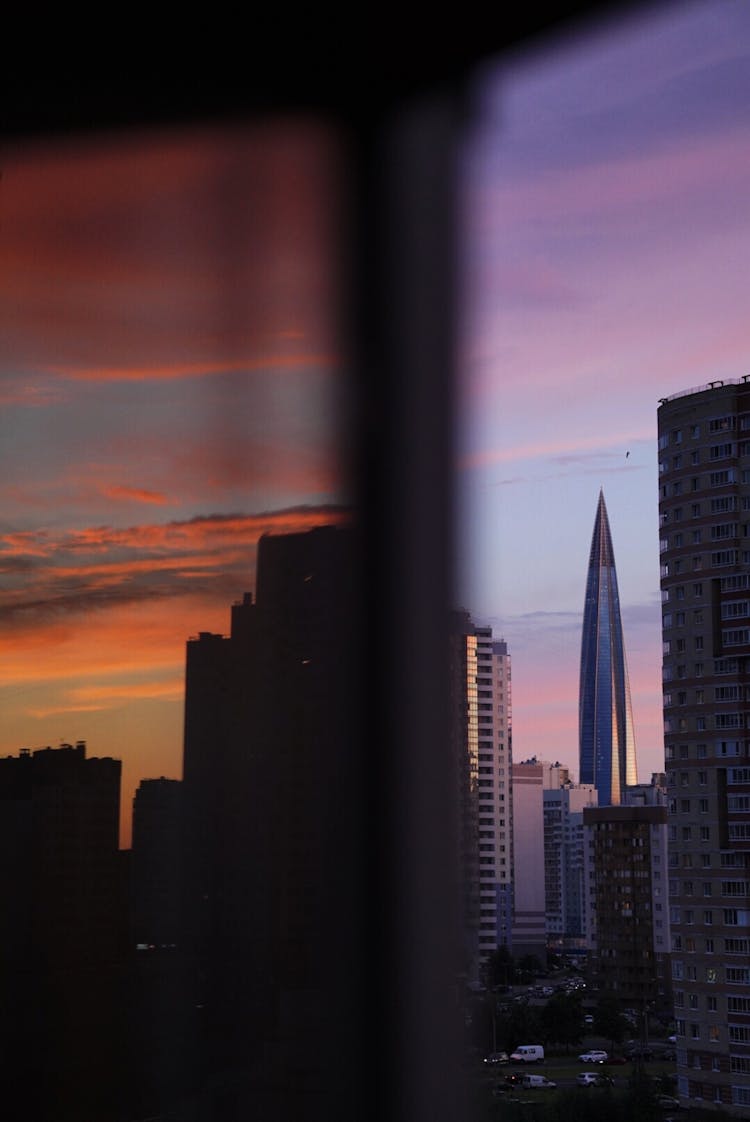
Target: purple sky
[606, 209]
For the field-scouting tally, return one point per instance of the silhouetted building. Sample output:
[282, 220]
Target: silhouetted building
[269, 769]
[62, 931]
[155, 864]
[606, 738]
[60, 821]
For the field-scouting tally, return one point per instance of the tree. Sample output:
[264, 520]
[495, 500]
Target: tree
[501, 968]
[561, 1020]
[519, 1026]
[529, 966]
[609, 1021]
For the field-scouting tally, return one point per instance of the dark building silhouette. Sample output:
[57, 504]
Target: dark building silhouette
[155, 864]
[62, 931]
[269, 823]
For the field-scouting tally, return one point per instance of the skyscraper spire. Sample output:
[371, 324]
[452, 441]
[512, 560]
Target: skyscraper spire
[605, 716]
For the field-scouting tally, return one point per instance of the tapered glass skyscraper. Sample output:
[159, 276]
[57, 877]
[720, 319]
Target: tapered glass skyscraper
[605, 716]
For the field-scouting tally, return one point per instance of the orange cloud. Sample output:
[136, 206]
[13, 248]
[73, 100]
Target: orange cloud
[134, 493]
[208, 368]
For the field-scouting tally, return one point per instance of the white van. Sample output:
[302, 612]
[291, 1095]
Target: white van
[528, 1054]
[536, 1082]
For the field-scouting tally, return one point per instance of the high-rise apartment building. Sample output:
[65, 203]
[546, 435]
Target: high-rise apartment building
[564, 860]
[155, 863]
[626, 881]
[62, 931]
[529, 904]
[481, 737]
[272, 756]
[606, 737]
[704, 516]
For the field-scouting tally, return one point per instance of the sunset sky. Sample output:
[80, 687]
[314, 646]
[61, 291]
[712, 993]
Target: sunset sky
[171, 359]
[167, 392]
[606, 217]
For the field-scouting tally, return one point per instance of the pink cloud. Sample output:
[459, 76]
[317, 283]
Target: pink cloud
[129, 494]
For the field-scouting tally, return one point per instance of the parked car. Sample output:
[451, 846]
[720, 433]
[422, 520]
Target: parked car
[668, 1102]
[595, 1056]
[618, 1060]
[528, 1054]
[496, 1058]
[588, 1019]
[594, 1079]
[537, 1083]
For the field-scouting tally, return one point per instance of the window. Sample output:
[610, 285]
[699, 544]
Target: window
[727, 693]
[734, 609]
[722, 478]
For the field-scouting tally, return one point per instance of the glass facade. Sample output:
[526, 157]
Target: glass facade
[606, 739]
